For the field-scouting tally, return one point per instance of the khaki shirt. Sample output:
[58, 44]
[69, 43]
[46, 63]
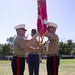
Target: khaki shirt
[53, 44]
[19, 45]
[35, 44]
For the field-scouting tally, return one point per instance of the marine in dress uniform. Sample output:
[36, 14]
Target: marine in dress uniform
[20, 45]
[52, 52]
[33, 57]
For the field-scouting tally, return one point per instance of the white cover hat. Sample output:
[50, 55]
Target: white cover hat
[20, 26]
[51, 24]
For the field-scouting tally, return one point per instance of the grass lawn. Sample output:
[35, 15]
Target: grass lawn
[67, 67]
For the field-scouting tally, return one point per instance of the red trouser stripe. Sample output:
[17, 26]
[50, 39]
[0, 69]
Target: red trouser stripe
[18, 66]
[54, 58]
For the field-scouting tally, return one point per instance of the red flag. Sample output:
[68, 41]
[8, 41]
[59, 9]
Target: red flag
[42, 18]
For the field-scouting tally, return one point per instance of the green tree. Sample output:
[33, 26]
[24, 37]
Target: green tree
[73, 51]
[61, 48]
[69, 44]
[10, 40]
[6, 50]
[66, 48]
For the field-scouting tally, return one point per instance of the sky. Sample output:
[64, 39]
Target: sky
[14, 12]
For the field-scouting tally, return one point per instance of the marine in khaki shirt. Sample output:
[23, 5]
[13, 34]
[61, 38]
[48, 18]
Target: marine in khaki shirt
[20, 45]
[33, 57]
[52, 52]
